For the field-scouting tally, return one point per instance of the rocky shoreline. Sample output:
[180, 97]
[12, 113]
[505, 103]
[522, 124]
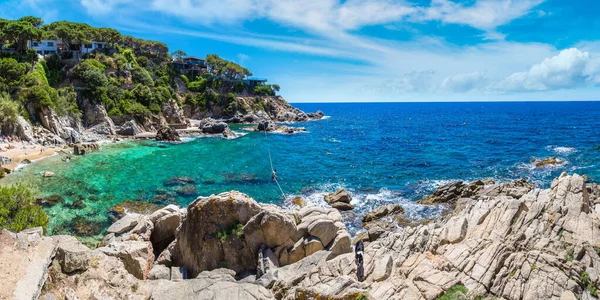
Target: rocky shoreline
[507, 240]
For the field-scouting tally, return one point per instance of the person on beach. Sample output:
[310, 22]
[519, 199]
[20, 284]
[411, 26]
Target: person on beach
[274, 174]
[359, 249]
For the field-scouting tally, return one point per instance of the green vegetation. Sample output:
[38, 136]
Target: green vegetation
[18, 210]
[570, 255]
[587, 283]
[235, 229]
[363, 296]
[450, 294]
[533, 267]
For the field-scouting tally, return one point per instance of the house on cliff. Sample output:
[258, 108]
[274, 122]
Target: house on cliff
[190, 66]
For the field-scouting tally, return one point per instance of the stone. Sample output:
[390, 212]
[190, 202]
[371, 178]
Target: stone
[211, 126]
[339, 196]
[342, 206]
[167, 134]
[342, 244]
[83, 149]
[267, 261]
[382, 211]
[72, 254]
[165, 228]
[312, 245]
[48, 174]
[268, 227]
[547, 162]
[178, 273]
[137, 256]
[130, 128]
[160, 272]
[324, 230]
[125, 224]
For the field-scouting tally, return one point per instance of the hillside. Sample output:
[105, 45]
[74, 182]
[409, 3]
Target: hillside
[96, 82]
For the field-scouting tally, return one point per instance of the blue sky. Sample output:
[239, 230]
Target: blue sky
[371, 50]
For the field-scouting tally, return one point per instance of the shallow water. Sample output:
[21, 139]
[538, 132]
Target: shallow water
[382, 153]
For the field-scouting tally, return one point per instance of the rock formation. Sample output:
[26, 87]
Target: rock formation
[340, 200]
[167, 134]
[211, 126]
[496, 243]
[83, 149]
[271, 126]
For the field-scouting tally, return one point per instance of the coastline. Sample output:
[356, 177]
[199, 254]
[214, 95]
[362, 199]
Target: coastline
[22, 151]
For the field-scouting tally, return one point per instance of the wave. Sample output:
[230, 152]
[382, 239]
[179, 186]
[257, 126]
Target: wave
[365, 202]
[562, 150]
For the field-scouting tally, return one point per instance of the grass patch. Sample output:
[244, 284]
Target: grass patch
[363, 296]
[235, 229]
[451, 293]
[570, 255]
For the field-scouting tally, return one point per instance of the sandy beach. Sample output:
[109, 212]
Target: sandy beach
[21, 151]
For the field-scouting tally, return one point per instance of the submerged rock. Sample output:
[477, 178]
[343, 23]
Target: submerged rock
[551, 161]
[179, 180]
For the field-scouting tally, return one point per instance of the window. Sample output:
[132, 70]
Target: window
[99, 46]
[34, 44]
[50, 44]
[88, 46]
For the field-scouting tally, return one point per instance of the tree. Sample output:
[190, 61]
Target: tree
[19, 32]
[179, 54]
[9, 110]
[11, 71]
[276, 87]
[219, 67]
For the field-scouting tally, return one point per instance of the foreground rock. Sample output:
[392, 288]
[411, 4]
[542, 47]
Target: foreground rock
[497, 244]
[167, 134]
[228, 230]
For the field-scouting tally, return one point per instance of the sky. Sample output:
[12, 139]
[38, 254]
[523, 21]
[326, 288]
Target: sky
[371, 50]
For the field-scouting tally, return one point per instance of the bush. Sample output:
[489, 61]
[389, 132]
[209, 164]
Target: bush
[11, 71]
[18, 210]
[115, 112]
[199, 85]
[264, 90]
[139, 75]
[67, 103]
[155, 108]
[450, 294]
[9, 110]
[137, 109]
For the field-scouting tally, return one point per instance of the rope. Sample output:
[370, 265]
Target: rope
[272, 169]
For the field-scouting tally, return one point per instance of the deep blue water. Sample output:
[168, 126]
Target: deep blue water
[381, 152]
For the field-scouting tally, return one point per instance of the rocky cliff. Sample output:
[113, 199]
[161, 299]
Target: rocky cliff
[495, 243]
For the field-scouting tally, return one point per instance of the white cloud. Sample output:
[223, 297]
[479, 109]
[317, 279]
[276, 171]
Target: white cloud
[464, 82]
[415, 81]
[571, 68]
[101, 6]
[483, 14]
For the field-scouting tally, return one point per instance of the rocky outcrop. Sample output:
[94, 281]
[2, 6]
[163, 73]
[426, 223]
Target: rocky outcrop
[67, 128]
[450, 192]
[539, 246]
[229, 229]
[551, 161]
[339, 200]
[83, 149]
[173, 114]
[130, 128]
[270, 126]
[212, 126]
[95, 118]
[167, 134]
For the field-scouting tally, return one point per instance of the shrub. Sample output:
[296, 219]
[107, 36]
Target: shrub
[199, 85]
[139, 75]
[264, 90]
[155, 108]
[9, 110]
[116, 112]
[18, 210]
[450, 294]
[67, 102]
[137, 109]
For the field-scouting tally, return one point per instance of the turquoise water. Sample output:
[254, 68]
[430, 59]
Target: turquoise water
[382, 153]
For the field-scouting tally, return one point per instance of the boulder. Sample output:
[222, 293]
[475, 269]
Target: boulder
[167, 134]
[339, 196]
[312, 245]
[160, 272]
[212, 126]
[165, 227]
[137, 256]
[323, 229]
[267, 126]
[173, 113]
[450, 192]
[72, 254]
[130, 128]
[269, 227]
[382, 211]
[551, 161]
[82, 149]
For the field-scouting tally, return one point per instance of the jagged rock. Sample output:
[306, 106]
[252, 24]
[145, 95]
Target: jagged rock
[449, 193]
[130, 128]
[166, 221]
[137, 256]
[547, 162]
[266, 126]
[383, 211]
[173, 113]
[216, 284]
[267, 261]
[340, 200]
[95, 117]
[82, 149]
[72, 254]
[212, 126]
[167, 134]
[515, 189]
[125, 224]
[160, 272]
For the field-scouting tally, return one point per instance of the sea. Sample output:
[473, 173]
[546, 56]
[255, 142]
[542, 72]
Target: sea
[381, 153]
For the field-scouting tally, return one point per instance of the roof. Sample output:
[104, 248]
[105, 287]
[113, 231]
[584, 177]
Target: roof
[256, 79]
[194, 58]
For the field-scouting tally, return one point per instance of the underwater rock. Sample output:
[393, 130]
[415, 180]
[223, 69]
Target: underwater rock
[83, 149]
[179, 180]
[167, 134]
[48, 174]
[83, 226]
[79, 204]
[187, 190]
[51, 201]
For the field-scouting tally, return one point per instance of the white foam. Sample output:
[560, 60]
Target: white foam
[564, 150]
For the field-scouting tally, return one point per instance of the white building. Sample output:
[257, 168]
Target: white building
[44, 47]
[87, 48]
